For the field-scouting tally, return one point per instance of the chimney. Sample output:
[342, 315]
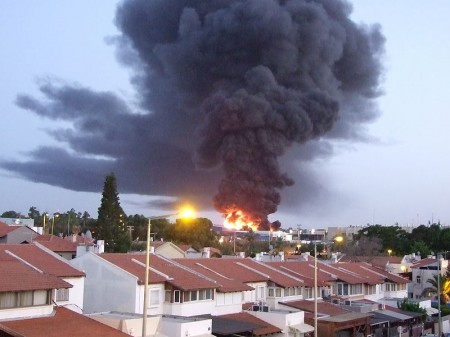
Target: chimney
[206, 253]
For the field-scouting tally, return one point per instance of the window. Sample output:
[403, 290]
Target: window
[8, 300]
[154, 297]
[62, 294]
[40, 297]
[176, 296]
[260, 293]
[390, 286]
[167, 297]
[308, 292]
[194, 295]
[418, 279]
[204, 294]
[343, 289]
[24, 299]
[371, 289]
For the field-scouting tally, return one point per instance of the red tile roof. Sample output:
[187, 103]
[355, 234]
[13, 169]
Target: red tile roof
[238, 269]
[161, 270]
[425, 262]
[223, 279]
[305, 271]
[373, 274]
[62, 323]
[42, 260]
[5, 228]
[30, 278]
[56, 244]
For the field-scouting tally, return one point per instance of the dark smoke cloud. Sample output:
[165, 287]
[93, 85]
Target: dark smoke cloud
[226, 88]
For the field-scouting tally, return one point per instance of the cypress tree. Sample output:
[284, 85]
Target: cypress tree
[110, 223]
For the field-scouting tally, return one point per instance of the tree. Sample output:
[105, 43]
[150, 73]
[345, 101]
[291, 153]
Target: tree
[443, 285]
[365, 246]
[421, 248]
[407, 305]
[34, 214]
[110, 223]
[196, 232]
[10, 214]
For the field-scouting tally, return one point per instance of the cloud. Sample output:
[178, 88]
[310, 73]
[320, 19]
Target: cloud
[227, 90]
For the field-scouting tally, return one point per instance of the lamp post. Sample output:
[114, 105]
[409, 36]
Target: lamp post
[439, 293]
[53, 220]
[43, 225]
[336, 239]
[315, 289]
[147, 264]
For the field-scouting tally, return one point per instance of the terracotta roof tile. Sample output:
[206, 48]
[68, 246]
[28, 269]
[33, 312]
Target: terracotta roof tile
[42, 260]
[56, 244]
[161, 270]
[305, 271]
[30, 279]
[223, 279]
[5, 228]
[62, 323]
[235, 268]
[373, 274]
[425, 262]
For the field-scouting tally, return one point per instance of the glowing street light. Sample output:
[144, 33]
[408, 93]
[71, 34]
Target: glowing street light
[186, 213]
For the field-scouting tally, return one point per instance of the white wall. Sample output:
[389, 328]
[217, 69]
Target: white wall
[227, 303]
[28, 312]
[190, 308]
[107, 287]
[185, 327]
[253, 295]
[76, 293]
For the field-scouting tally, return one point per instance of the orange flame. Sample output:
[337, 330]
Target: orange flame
[238, 220]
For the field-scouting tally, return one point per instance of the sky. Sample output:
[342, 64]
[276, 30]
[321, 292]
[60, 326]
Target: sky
[396, 172]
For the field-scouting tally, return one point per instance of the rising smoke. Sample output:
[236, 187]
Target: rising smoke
[227, 87]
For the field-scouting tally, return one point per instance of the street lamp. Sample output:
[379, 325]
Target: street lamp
[439, 293]
[315, 289]
[185, 214]
[43, 225]
[55, 215]
[336, 239]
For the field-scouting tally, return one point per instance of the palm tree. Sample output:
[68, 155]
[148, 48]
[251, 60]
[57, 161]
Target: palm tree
[444, 295]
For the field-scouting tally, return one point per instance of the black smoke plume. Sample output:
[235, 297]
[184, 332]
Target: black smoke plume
[226, 87]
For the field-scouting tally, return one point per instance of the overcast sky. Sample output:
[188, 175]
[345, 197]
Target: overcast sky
[398, 174]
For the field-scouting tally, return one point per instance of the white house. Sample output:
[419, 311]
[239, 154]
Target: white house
[25, 291]
[46, 262]
[422, 271]
[115, 282]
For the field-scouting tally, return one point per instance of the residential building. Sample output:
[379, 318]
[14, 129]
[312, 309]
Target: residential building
[16, 233]
[421, 272]
[45, 262]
